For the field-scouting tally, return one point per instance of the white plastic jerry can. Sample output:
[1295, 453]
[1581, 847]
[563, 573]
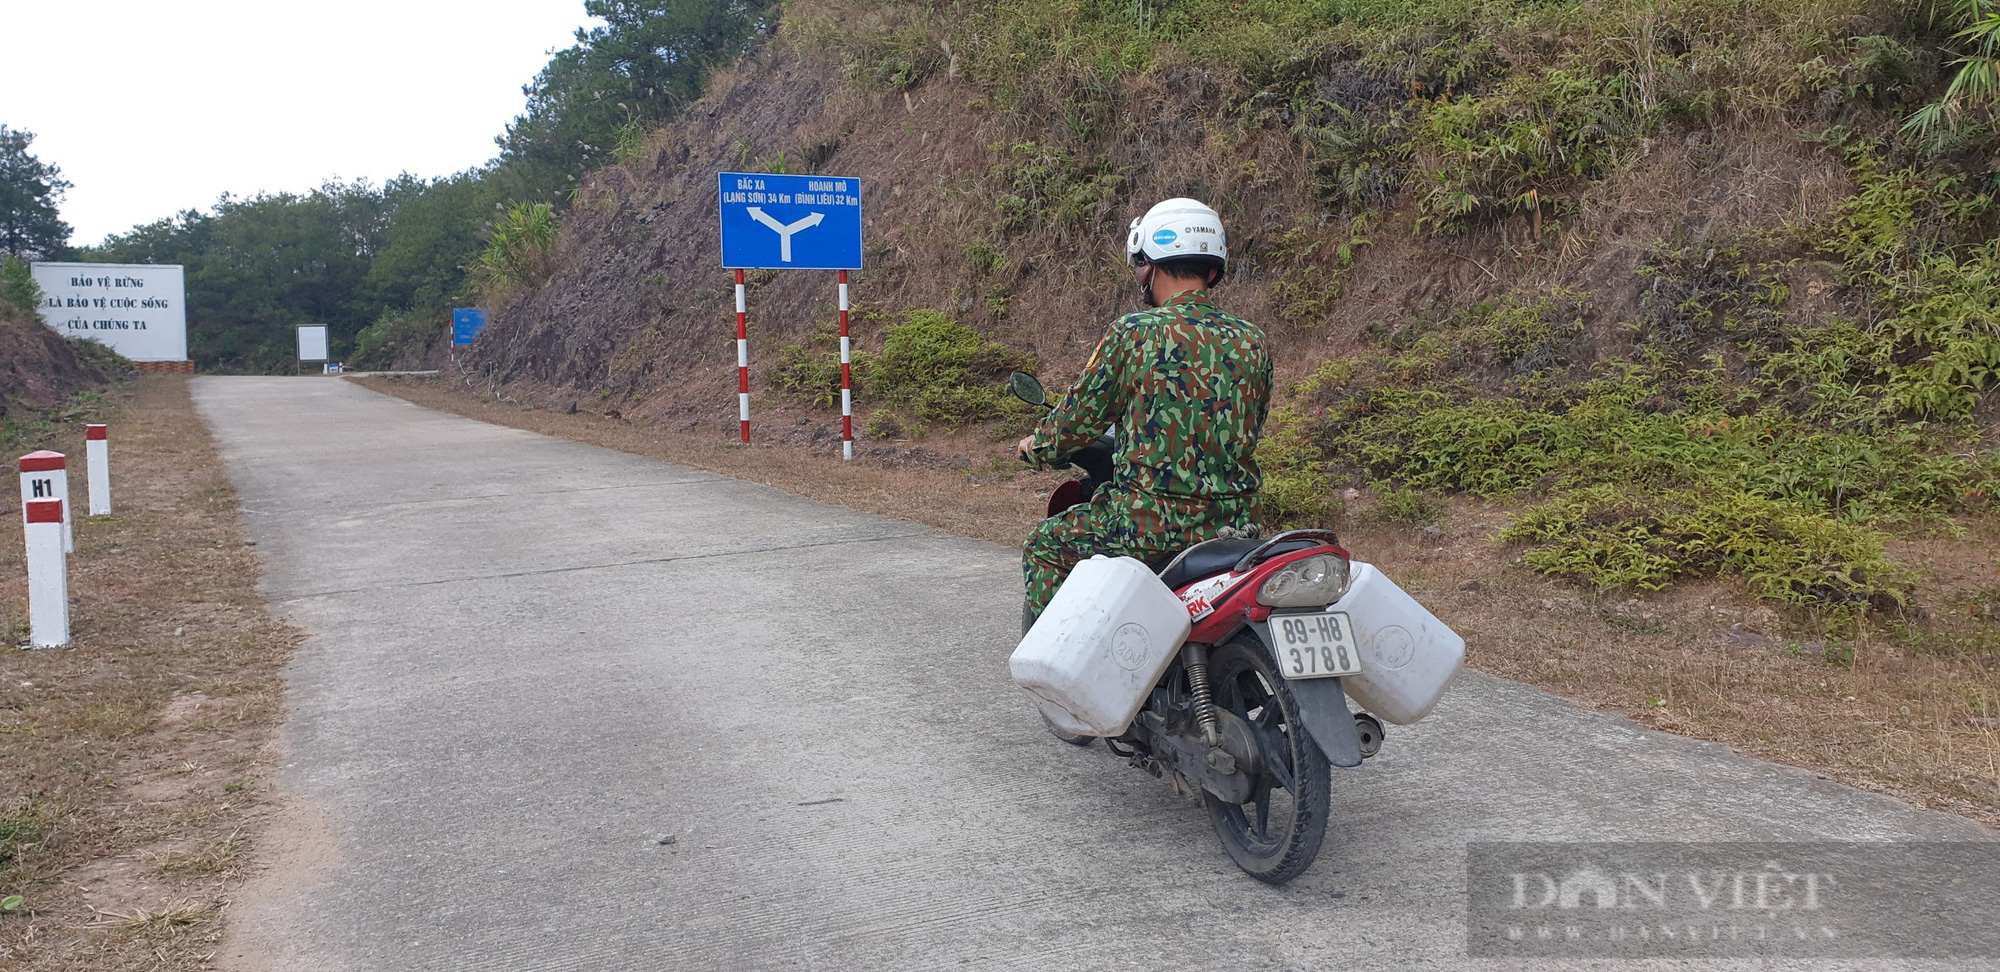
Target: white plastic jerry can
[1408, 656]
[1104, 641]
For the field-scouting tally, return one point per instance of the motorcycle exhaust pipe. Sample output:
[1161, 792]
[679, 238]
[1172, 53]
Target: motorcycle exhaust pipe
[1370, 730]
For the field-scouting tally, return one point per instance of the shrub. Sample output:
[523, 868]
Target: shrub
[520, 252]
[17, 284]
[1938, 346]
[942, 371]
[25, 825]
[1610, 536]
[1975, 85]
[1358, 161]
[984, 258]
[882, 425]
[1406, 506]
[1519, 149]
[1752, 477]
[1046, 186]
[898, 59]
[1493, 446]
[931, 367]
[1307, 291]
[1296, 492]
[397, 339]
[810, 370]
[1918, 257]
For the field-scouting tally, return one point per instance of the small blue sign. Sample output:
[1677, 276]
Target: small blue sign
[788, 222]
[466, 323]
[1165, 237]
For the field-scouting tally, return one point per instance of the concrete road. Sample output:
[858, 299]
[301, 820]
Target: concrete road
[565, 708]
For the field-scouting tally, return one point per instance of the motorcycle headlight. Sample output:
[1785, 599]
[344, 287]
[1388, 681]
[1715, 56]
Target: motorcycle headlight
[1312, 582]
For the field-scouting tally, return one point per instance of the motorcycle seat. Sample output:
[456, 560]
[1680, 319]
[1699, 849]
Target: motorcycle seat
[1211, 557]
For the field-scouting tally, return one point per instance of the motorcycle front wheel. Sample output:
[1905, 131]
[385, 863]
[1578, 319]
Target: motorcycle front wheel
[1276, 835]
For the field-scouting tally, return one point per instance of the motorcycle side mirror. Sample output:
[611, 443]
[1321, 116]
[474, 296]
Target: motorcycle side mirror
[1026, 388]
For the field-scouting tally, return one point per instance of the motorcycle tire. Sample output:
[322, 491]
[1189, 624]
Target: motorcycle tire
[1028, 621]
[1065, 735]
[1296, 781]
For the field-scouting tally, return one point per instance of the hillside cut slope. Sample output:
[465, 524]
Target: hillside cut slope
[39, 368]
[1671, 281]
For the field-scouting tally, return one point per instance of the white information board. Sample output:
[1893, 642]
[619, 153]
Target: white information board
[140, 310]
[312, 342]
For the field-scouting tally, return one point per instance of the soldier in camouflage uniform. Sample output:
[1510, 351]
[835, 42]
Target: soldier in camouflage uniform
[1188, 388]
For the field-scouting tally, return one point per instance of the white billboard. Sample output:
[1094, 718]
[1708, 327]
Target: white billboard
[312, 342]
[140, 310]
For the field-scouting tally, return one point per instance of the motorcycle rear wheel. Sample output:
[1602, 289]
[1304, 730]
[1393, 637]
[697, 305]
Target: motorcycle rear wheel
[1276, 835]
[1065, 735]
[1028, 622]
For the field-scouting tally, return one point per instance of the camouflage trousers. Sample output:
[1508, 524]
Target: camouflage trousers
[1121, 523]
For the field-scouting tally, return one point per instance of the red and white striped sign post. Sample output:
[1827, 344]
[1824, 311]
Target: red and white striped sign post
[846, 380]
[97, 468]
[742, 359]
[743, 369]
[45, 518]
[45, 476]
[778, 221]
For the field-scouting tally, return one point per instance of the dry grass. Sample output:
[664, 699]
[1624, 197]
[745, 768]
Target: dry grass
[119, 823]
[1907, 711]
[217, 856]
[175, 916]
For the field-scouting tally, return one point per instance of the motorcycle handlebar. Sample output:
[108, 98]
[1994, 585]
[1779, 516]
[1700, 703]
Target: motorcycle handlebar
[1094, 458]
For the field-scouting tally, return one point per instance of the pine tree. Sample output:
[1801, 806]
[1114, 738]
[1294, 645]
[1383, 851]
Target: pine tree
[29, 190]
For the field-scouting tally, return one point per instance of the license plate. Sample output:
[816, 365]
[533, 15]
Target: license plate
[1314, 645]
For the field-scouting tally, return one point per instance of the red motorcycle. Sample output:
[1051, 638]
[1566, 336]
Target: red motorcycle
[1250, 712]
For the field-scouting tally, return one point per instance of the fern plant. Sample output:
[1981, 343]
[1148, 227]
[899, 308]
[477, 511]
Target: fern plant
[521, 251]
[1975, 89]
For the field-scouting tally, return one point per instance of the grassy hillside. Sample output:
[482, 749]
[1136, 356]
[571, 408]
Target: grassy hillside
[1668, 282]
[41, 373]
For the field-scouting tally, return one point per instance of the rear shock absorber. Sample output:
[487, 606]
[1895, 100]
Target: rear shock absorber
[1195, 659]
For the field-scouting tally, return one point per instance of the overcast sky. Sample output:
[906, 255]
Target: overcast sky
[155, 107]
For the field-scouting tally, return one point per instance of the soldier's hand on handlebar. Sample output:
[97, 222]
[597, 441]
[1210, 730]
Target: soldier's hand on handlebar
[1026, 445]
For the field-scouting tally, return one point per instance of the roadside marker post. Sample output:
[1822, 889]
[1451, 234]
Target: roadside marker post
[787, 222]
[45, 525]
[48, 574]
[97, 468]
[45, 476]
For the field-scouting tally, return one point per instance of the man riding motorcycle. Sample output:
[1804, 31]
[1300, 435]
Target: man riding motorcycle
[1187, 387]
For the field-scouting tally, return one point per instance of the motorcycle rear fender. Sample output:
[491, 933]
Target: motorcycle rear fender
[1323, 708]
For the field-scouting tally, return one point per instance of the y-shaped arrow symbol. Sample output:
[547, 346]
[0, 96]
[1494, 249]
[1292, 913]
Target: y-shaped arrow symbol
[784, 231]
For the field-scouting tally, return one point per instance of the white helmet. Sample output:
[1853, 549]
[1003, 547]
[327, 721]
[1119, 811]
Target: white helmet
[1179, 227]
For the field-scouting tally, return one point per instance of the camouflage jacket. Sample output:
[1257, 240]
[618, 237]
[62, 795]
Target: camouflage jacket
[1188, 388]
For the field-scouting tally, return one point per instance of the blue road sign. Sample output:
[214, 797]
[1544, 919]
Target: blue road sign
[466, 323]
[788, 222]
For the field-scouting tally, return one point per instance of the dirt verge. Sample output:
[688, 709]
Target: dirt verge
[1911, 709]
[135, 764]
